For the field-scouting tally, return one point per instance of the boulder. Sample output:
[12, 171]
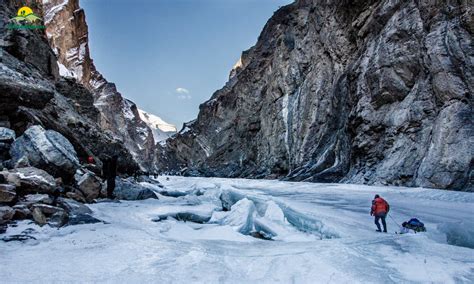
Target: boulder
[47, 150]
[6, 214]
[31, 199]
[73, 207]
[88, 183]
[58, 219]
[46, 209]
[31, 179]
[7, 193]
[128, 189]
[39, 217]
[81, 219]
[7, 135]
[21, 212]
[78, 212]
[77, 196]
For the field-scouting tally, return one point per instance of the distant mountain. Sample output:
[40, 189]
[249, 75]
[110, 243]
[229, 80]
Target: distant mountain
[161, 129]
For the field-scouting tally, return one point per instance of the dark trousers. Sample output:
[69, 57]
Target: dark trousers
[110, 187]
[377, 218]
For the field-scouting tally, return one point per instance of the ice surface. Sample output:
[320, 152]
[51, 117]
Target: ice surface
[240, 217]
[321, 233]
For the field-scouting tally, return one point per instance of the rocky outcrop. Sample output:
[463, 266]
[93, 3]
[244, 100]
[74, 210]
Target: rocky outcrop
[33, 93]
[67, 33]
[47, 150]
[375, 92]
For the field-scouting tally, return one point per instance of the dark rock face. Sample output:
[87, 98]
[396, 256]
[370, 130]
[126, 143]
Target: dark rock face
[67, 34]
[33, 93]
[47, 150]
[375, 92]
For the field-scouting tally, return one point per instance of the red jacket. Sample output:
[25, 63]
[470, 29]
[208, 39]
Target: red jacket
[379, 206]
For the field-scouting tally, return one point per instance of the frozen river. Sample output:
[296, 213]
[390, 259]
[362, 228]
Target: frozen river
[209, 230]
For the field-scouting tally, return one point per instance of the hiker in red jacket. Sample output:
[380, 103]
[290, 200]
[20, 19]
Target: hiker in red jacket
[380, 210]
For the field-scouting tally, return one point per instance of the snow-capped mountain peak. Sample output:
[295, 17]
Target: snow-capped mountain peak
[162, 130]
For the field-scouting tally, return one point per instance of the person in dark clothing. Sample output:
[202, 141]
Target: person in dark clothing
[56, 193]
[380, 209]
[109, 170]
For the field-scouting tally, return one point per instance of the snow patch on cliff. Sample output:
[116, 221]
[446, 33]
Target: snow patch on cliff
[51, 13]
[161, 129]
[63, 71]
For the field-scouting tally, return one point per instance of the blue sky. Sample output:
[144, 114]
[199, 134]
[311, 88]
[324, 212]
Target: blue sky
[169, 56]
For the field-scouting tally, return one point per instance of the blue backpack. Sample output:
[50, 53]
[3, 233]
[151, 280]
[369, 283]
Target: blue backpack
[415, 225]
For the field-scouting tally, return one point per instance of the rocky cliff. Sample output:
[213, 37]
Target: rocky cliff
[33, 93]
[49, 128]
[375, 92]
[67, 33]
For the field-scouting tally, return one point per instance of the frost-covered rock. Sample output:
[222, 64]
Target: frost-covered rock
[31, 199]
[6, 214]
[48, 214]
[31, 179]
[73, 207]
[7, 135]
[78, 213]
[127, 189]
[47, 209]
[240, 217]
[39, 217]
[21, 212]
[47, 150]
[7, 193]
[88, 183]
[58, 219]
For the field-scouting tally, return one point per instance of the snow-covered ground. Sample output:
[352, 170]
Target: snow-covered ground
[320, 233]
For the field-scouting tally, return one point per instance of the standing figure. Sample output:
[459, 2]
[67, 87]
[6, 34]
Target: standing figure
[109, 170]
[380, 209]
